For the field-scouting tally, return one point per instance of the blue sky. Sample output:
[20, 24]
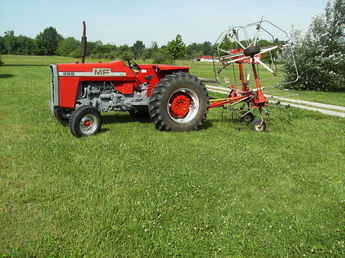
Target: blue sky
[123, 22]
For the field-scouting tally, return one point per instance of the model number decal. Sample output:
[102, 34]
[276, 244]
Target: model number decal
[67, 74]
[95, 73]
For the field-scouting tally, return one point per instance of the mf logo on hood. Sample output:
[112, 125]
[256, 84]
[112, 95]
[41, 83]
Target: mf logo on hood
[101, 71]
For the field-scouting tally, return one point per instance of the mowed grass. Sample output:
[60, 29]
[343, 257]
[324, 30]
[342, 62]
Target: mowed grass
[134, 191]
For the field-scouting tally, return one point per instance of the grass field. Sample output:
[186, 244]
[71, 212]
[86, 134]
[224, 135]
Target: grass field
[132, 191]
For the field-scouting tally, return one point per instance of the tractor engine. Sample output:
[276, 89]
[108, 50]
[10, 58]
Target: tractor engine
[104, 96]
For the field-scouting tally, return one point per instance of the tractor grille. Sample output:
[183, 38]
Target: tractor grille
[54, 87]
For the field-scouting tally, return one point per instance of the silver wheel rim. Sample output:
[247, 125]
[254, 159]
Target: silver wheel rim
[193, 108]
[260, 126]
[88, 124]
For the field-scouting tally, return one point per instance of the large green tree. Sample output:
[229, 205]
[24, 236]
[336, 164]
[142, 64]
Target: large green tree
[138, 49]
[320, 54]
[48, 41]
[10, 42]
[149, 52]
[100, 50]
[176, 48]
[2, 46]
[18, 45]
[68, 46]
[25, 46]
[198, 49]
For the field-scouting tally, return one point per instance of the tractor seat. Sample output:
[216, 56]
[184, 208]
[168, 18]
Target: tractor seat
[251, 51]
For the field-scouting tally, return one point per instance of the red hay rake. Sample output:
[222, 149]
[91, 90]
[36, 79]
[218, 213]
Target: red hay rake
[246, 52]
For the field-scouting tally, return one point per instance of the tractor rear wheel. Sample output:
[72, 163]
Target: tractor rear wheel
[179, 103]
[85, 121]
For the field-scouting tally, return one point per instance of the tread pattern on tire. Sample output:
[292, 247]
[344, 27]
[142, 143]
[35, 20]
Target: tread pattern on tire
[156, 104]
[76, 116]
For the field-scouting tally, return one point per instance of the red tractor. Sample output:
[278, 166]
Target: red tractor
[174, 99]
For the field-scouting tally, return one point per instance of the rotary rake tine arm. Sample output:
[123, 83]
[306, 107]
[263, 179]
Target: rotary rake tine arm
[240, 45]
[249, 36]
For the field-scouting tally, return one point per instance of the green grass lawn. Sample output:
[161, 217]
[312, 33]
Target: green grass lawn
[132, 191]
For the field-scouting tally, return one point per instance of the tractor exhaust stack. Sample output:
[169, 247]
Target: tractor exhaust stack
[83, 43]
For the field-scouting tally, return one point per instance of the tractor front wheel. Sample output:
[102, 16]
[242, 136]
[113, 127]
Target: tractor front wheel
[179, 103]
[85, 121]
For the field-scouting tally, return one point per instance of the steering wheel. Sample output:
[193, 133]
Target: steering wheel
[133, 65]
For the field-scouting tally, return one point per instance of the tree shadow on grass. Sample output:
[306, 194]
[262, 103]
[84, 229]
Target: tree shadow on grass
[3, 76]
[103, 130]
[207, 124]
[27, 65]
[110, 119]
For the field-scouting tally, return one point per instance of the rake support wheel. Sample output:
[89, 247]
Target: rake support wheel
[258, 125]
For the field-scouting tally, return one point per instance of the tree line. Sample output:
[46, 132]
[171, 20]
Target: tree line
[50, 42]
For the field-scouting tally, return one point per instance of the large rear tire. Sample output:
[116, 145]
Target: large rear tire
[85, 121]
[179, 103]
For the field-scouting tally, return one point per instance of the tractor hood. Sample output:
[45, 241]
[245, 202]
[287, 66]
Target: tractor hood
[115, 68]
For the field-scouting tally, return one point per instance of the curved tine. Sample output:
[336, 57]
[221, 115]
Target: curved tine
[290, 47]
[272, 24]
[222, 68]
[277, 27]
[269, 33]
[258, 31]
[292, 53]
[239, 43]
[247, 40]
[221, 36]
[236, 37]
[219, 41]
[258, 25]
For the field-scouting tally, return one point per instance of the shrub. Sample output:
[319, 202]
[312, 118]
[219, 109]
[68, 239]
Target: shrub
[320, 53]
[160, 56]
